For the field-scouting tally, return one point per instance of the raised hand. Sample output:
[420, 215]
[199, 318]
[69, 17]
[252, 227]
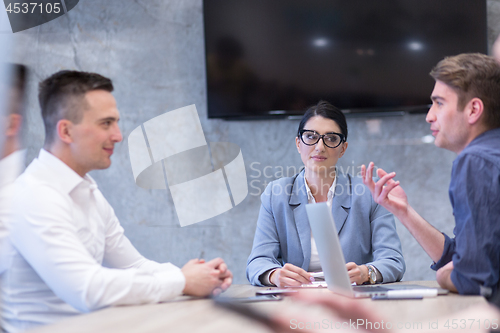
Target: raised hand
[386, 192]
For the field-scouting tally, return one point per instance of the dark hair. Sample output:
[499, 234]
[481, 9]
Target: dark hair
[62, 96]
[18, 84]
[325, 110]
[473, 75]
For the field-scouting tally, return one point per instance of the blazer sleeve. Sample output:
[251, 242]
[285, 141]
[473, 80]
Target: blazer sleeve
[266, 253]
[386, 246]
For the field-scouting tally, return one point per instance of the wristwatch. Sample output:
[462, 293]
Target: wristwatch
[372, 274]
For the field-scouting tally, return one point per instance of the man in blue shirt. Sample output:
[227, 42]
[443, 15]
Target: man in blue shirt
[464, 118]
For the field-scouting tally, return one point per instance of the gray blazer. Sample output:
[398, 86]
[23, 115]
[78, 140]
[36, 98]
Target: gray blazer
[367, 231]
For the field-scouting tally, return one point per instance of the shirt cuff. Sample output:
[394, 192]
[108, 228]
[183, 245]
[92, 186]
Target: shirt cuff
[264, 278]
[172, 281]
[447, 255]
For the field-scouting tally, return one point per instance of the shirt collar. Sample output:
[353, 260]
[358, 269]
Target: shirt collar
[484, 136]
[330, 195]
[11, 167]
[67, 178]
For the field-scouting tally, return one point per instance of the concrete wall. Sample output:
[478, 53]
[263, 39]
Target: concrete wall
[153, 50]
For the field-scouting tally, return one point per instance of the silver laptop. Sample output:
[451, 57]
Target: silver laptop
[332, 259]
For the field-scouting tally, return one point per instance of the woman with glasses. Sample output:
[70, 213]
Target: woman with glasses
[284, 251]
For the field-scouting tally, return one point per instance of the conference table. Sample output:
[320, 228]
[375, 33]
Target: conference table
[188, 314]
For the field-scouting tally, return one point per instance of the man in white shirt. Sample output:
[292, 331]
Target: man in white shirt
[11, 155]
[71, 255]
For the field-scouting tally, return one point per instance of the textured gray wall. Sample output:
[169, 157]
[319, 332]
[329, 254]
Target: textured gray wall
[153, 50]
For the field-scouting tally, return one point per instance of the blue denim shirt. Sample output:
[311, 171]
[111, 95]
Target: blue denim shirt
[475, 196]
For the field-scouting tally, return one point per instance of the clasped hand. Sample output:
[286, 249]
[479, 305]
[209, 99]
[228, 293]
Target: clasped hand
[206, 278]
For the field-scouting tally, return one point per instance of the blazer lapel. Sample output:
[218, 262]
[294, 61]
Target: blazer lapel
[341, 203]
[298, 201]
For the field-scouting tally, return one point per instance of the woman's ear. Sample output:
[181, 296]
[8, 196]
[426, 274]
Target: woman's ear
[344, 148]
[297, 143]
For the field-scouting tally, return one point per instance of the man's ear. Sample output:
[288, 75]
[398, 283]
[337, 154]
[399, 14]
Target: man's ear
[64, 130]
[475, 109]
[14, 122]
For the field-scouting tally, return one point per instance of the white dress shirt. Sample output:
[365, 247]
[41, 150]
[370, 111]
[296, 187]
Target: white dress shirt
[63, 232]
[11, 167]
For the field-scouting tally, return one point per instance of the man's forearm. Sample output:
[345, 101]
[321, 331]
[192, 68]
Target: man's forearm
[431, 239]
[443, 277]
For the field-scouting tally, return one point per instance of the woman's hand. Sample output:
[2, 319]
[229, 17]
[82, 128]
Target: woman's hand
[358, 274]
[290, 275]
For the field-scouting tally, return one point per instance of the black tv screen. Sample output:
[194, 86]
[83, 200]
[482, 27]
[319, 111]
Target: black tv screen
[268, 58]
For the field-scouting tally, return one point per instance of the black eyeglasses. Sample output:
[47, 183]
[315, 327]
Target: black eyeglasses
[331, 140]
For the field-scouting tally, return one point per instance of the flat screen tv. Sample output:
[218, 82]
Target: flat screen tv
[272, 58]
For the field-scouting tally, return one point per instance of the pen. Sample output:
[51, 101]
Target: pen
[317, 274]
[408, 294]
[383, 297]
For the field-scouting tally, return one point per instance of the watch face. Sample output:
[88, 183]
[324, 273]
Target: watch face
[373, 275]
